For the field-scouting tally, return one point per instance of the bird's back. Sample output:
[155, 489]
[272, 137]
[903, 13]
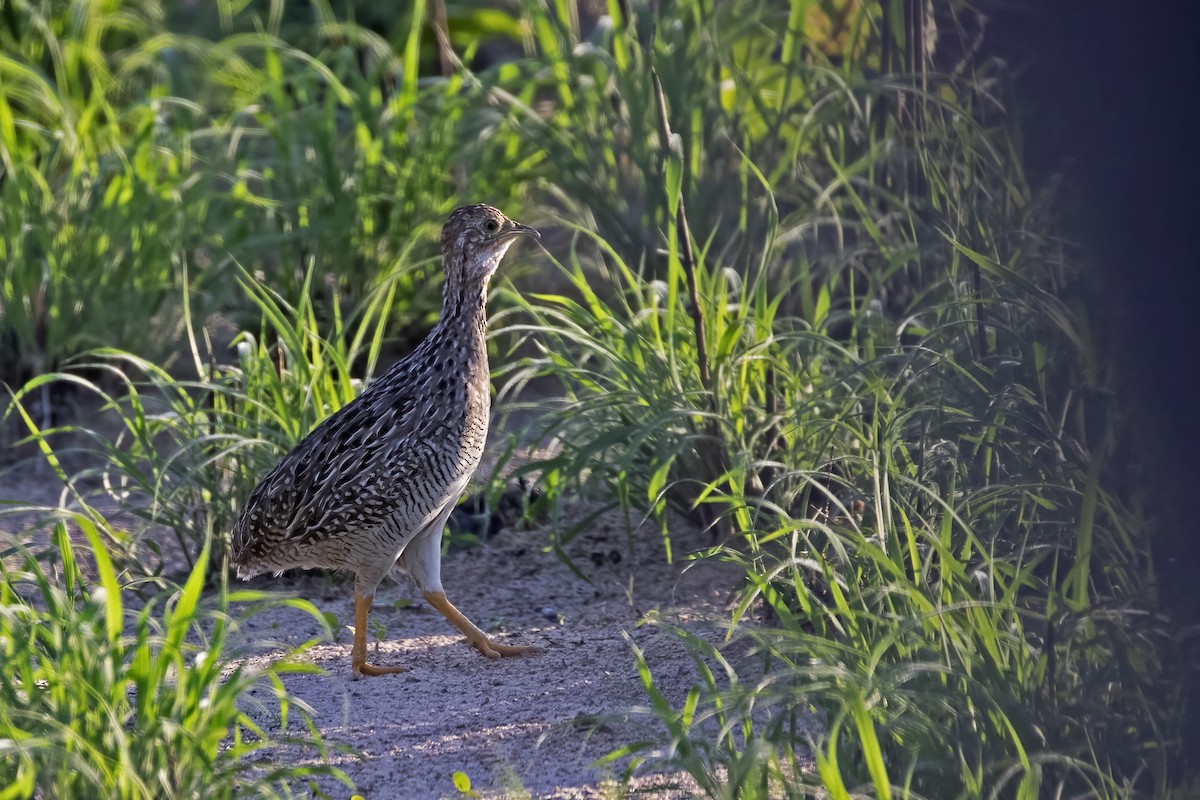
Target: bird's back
[366, 476]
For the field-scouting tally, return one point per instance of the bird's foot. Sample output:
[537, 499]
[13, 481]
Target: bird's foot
[475, 637]
[371, 670]
[490, 649]
[358, 652]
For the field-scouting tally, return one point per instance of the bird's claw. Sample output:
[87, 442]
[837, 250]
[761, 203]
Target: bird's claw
[489, 649]
[370, 670]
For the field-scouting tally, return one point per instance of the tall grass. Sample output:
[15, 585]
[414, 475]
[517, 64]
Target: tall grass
[598, 146]
[905, 345]
[984, 629]
[102, 695]
[132, 151]
[187, 453]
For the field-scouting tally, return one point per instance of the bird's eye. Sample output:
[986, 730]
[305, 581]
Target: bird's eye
[492, 226]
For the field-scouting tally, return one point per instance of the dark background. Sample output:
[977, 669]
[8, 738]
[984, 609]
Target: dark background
[1108, 94]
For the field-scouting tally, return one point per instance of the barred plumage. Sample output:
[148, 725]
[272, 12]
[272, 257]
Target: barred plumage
[373, 484]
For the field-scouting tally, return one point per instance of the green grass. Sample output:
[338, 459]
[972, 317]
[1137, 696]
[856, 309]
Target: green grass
[188, 452]
[133, 152]
[806, 297]
[966, 637]
[103, 695]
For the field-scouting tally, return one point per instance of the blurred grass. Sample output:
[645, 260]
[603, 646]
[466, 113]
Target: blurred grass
[807, 298]
[132, 151]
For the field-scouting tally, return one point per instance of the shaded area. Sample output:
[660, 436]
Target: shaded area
[1107, 96]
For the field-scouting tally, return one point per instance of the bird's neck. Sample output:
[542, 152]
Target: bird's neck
[457, 343]
[461, 332]
[460, 338]
[464, 309]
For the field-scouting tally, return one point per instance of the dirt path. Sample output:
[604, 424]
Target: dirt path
[521, 727]
[524, 727]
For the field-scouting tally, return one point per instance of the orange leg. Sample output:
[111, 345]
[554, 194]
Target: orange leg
[358, 653]
[475, 637]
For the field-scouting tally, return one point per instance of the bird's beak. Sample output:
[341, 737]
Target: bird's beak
[518, 229]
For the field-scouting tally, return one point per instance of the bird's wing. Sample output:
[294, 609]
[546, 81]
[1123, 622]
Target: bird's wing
[345, 474]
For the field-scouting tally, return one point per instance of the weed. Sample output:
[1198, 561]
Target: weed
[189, 452]
[101, 699]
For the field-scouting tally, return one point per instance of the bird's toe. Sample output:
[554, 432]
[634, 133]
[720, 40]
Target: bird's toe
[491, 649]
[370, 670]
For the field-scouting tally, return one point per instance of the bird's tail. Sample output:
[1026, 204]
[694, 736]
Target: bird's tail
[246, 572]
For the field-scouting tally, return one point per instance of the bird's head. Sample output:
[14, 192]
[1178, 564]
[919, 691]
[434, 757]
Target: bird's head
[474, 240]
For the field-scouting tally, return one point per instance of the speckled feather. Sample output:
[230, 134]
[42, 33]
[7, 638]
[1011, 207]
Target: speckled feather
[385, 467]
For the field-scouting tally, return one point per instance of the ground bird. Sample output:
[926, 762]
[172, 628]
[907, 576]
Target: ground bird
[372, 485]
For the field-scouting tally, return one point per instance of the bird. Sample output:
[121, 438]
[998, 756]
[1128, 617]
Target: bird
[371, 487]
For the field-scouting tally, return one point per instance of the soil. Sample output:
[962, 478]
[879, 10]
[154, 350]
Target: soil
[530, 726]
[527, 727]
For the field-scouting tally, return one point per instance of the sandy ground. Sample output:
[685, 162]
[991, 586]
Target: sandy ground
[531, 726]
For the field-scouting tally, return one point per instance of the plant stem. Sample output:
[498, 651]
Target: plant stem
[714, 461]
[686, 256]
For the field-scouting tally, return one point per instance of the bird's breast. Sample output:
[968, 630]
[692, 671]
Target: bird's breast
[453, 413]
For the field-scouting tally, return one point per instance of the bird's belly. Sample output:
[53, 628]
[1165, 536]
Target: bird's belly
[366, 536]
[376, 547]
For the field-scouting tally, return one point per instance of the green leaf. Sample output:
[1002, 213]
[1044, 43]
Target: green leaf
[658, 480]
[827, 766]
[821, 311]
[1080, 576]
[113, 611]
[689, 707]
[870, 749]
[674, 167]
[179, 619]
[463, 784]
